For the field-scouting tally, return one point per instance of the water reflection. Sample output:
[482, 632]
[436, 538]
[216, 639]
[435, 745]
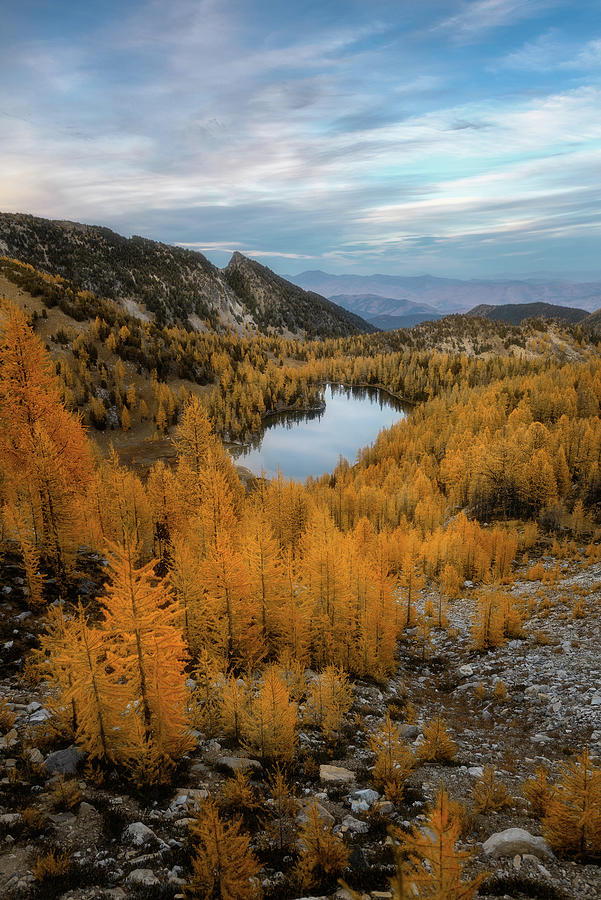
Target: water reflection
[311, 442]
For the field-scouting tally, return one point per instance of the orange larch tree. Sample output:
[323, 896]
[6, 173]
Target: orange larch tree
[45, 458]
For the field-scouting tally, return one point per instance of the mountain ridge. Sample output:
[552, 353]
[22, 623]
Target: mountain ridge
[387, 313]
[515, 313]
[172, 283]
[448, 295]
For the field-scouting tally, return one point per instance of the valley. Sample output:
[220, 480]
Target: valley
[254, 645]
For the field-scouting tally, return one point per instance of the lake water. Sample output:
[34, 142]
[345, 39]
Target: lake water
[310, 443]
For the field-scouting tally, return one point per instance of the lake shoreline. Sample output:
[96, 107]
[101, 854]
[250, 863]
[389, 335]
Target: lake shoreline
[319, 407]
[349, 418]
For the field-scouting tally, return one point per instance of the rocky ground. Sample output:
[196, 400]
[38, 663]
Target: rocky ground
[122, 842]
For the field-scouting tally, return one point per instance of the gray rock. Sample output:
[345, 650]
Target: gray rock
[9, 820]
[335, 775]
[64, 762]
[355, 826]
[516, 841]
[409, 732]
[233, 764]
[143, 877]
[303, 807]
[139, 834]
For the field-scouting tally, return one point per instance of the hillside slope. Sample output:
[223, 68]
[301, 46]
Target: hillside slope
[592, 323]
[276, 303]
[170, 284]
[514, 313]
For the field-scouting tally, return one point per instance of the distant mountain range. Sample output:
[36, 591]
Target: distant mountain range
[448, 295]
[168, 284]
[514, 313]
[387, 313]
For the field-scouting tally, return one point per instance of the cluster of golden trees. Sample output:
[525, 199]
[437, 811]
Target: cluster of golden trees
[206, 576]
[245, 590]
[525, 445]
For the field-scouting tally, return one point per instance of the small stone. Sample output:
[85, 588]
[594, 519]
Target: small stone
[516, 841]
[355, 826]
[143, 877]
[139, 834]
[466, 670]
[235, 764]
[64, 762]
[335, 775]
[305, 805]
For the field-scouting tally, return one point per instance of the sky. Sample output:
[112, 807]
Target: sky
[458, 138]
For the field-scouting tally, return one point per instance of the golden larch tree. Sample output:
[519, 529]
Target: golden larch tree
[45, 458]
[143, 622]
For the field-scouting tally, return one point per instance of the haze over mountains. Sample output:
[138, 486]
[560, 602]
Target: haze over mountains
[387, 313]
[447, 295]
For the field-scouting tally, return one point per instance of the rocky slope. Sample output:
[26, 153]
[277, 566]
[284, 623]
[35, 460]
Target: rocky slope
[276, 303]
[124, 843]
[171, 284]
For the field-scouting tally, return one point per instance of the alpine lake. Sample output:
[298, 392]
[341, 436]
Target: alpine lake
[311, 442]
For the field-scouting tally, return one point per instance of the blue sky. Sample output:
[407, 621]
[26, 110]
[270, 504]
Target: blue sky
[453, 138]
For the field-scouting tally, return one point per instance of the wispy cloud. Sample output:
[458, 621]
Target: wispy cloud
[550, 52]
[481, 16]
[362, 139]
[224, 247]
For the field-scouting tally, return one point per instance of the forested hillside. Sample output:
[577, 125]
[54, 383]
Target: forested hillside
[515, 313]
[218, 690]
[169, 284]
[277, 304]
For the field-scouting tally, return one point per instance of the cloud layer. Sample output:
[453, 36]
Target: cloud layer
[460, 139]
